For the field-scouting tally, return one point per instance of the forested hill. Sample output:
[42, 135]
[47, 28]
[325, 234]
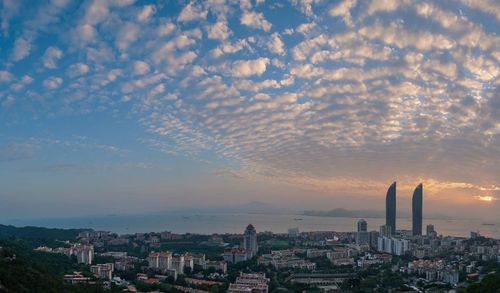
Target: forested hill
[24, 270]
[36, 236]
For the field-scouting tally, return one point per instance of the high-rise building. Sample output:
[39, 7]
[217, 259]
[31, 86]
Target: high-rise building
[385, 231]
[430, 230]
[362, 226]
[362, 236]
[390, 208]
[250, 241]
[416, 207]
[84, 253]
[373, 235]
[178, 264]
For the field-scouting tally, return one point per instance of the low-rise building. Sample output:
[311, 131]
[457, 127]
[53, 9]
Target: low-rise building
[235, 255]
[103, 271]
[216, 265]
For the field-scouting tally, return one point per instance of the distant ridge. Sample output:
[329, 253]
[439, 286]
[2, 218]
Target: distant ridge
[345, 213]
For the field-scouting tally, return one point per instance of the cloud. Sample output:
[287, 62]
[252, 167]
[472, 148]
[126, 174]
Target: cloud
[51, 56]
[229, 48]
[78, 69]
[255, 20]
[343, 9]
[485, 6]
[96, 11]
[16, 151]
[128, 34]
[276, 45]
[9, 10]
[52, 82]
[6, 76]
[21, 49]
[396, 84]
[146, 13]
[25, 80]
[140, 67]
[485, 198]
[86, 33]
[306, 6]
[219, 31]
[245, 68]
[166, 28]
[192, 12]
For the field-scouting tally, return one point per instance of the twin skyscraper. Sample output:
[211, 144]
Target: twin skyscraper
[416, 208]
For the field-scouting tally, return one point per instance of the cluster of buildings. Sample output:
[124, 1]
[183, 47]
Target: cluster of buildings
[282, 259]
[174, 265]
[84, 253]
[441, 259]
[250, 283]
[433, 270]
[247, 250]
[388, 239]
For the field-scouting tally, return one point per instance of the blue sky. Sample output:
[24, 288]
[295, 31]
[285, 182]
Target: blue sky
[132, 106]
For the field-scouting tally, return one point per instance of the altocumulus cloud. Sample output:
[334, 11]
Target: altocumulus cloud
[333, 94]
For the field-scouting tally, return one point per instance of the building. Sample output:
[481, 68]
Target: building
[84, 253]
[198, 259]
[314, 252]
[250, 241]
[385, 231]
[373, 239]
[250, 283]
[235, 255]
[416, 208]
[392, 245]
[430, 232]
[217, 265]
[390, 208]
[281, 259]
[178, 264]
[160, 260]
[103, 271]
[474, 234]
[76, 278]
[362, 236]
[362, 225]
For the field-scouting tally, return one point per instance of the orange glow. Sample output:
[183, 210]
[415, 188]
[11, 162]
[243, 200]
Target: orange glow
[486, 198]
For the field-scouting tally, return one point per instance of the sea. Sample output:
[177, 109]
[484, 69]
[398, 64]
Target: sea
[221, 223]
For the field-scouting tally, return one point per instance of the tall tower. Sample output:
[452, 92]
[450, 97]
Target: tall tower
[390, 208]
[250, 241]
[416, 208]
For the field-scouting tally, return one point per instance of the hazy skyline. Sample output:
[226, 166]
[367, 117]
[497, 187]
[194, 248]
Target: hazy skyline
[118, 106]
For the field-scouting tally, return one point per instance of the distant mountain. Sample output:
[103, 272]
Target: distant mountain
[254, 207]
[345, 213]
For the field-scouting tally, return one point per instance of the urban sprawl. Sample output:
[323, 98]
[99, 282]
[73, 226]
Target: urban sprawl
[325, 261]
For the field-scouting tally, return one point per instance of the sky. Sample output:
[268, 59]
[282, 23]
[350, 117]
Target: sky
[124, 106]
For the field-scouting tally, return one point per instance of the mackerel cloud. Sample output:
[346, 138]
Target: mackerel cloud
[305, 92]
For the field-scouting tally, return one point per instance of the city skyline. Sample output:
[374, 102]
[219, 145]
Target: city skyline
[135, 106]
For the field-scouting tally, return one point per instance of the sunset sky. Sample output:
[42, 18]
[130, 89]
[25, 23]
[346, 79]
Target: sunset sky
[122, 106]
